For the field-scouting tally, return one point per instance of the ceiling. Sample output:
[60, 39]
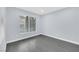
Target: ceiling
[41, 10]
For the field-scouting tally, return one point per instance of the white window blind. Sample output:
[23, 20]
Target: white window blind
[27, 24]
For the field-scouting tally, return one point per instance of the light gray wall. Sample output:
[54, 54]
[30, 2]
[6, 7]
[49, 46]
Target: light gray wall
[2, 29]
[12, 24]
[63, 24]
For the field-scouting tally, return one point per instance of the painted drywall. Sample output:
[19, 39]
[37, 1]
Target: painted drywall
[2, 29]
[12, 25]
[62, 24]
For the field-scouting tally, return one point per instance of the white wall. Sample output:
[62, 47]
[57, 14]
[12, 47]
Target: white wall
[2, 29]
[12, 25]
[63, 24]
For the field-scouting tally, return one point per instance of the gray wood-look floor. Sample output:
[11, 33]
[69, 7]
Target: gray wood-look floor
[42, 44]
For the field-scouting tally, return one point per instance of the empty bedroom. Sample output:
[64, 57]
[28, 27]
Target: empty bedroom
[39, 29]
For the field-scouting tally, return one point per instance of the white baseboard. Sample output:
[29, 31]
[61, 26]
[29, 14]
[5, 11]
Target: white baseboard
[21, 38]
[45, 35]
[73, 42]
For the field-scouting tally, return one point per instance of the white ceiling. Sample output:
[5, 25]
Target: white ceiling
[41, 10]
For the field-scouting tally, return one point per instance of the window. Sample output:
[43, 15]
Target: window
[27, 24]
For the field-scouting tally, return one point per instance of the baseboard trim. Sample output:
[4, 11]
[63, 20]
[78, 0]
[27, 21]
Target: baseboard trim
[66, 40]
[18, 39]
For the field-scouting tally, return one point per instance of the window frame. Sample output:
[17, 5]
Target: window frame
[28, 28]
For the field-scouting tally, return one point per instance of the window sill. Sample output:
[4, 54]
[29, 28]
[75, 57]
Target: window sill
[27, 32]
